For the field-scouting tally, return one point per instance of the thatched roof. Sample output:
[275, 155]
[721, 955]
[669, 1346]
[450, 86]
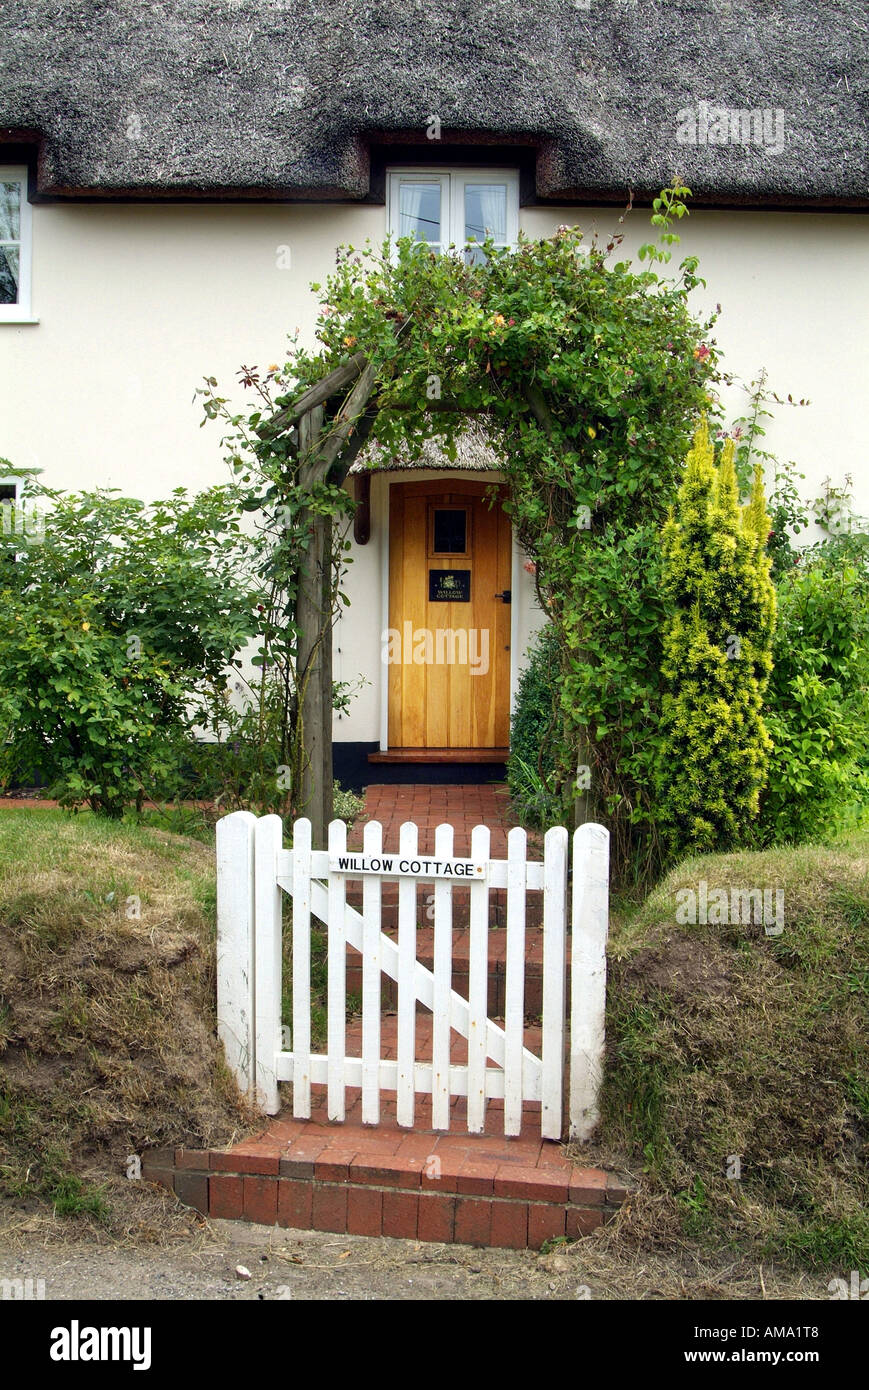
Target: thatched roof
[284, 98]
[474, 454]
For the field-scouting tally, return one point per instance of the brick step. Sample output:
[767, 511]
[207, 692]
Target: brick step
[497, 950]
[481, 1190]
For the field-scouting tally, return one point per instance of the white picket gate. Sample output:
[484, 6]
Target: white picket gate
[253, 869]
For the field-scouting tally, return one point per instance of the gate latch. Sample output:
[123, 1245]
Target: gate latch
[506, 596]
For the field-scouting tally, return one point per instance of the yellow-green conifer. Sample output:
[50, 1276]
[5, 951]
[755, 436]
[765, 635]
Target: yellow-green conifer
[717, 654]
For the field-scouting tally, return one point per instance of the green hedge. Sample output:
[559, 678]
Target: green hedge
[534, 728]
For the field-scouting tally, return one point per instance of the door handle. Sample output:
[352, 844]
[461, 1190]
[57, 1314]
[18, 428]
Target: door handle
[505, 597]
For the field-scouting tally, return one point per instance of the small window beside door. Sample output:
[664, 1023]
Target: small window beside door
[459, 209]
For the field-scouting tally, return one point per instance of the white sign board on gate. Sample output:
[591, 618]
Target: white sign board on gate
[396, 866]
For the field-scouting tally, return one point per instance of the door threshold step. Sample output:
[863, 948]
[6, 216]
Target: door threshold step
[441, 755]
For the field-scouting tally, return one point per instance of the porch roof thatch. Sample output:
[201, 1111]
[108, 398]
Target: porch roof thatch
[474, 454]
[284, 98]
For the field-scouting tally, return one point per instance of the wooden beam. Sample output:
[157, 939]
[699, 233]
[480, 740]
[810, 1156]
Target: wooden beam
[354, 446]
[539, 409]
[346, 418]
[362, 517]
[315, 395]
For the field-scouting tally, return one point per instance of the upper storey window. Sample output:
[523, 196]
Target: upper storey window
[458, 208]
[14, 245]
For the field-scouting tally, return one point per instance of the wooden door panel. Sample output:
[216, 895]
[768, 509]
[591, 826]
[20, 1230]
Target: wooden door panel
[435, 701]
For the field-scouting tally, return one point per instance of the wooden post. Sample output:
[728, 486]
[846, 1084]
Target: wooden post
[268, 842]
[314, 649]
[236, 1007]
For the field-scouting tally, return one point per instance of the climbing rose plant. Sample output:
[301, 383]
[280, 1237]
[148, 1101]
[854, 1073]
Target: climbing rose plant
[588, 375]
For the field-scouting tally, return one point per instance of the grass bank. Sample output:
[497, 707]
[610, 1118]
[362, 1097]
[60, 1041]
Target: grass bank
[107, 1021]
[737, 1077]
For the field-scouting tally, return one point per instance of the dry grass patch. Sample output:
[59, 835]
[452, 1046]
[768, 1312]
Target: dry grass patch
[734, 1051]
[107, 1025]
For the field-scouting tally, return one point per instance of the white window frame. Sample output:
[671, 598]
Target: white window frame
[21, 312]
[453, 183]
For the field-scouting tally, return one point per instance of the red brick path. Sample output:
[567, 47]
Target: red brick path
[430, 806]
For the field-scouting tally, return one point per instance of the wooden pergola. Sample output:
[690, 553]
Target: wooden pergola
[326, 448]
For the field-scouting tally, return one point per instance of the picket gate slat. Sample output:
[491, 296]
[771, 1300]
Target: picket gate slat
[423, 982]
[301, 1037]
[588, 975]
[406, 1049]
[554, 968]
[478, 985]
[336, 988]
[371, 914]
[236, 916]
[253, 868]
[514, 1008]
[442, 951]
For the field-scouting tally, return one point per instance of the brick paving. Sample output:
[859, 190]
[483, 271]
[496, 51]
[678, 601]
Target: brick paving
[462, 806]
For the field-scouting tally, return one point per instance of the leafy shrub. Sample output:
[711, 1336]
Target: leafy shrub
[531, 765]
[817, 709]
[116, 628]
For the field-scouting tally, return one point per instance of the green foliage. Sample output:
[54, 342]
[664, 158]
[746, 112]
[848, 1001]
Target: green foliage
[817, 706]
[714, 747]
[531, 765]
[589, 376]
[116, 628]
[787, 511]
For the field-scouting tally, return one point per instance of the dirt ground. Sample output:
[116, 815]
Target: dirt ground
[180, 1256]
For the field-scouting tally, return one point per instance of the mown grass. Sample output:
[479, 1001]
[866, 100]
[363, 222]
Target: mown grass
[731, 1050]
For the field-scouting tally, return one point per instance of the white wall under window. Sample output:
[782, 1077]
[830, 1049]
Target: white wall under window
[15, 245]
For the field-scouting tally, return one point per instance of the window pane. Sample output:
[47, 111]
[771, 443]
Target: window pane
[419, 211]
[10, 211]
[486, 211]
[450, 532]
[9, 275]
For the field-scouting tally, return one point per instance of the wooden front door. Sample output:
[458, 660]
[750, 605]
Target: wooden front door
[448, 645]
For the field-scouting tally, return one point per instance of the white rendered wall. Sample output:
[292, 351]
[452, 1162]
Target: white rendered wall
[136, 303]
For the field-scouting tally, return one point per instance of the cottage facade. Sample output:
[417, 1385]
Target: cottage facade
[174, 177]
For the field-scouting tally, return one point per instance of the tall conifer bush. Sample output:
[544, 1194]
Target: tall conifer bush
[715, 749]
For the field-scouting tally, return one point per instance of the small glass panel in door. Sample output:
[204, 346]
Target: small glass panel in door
[450, 531]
